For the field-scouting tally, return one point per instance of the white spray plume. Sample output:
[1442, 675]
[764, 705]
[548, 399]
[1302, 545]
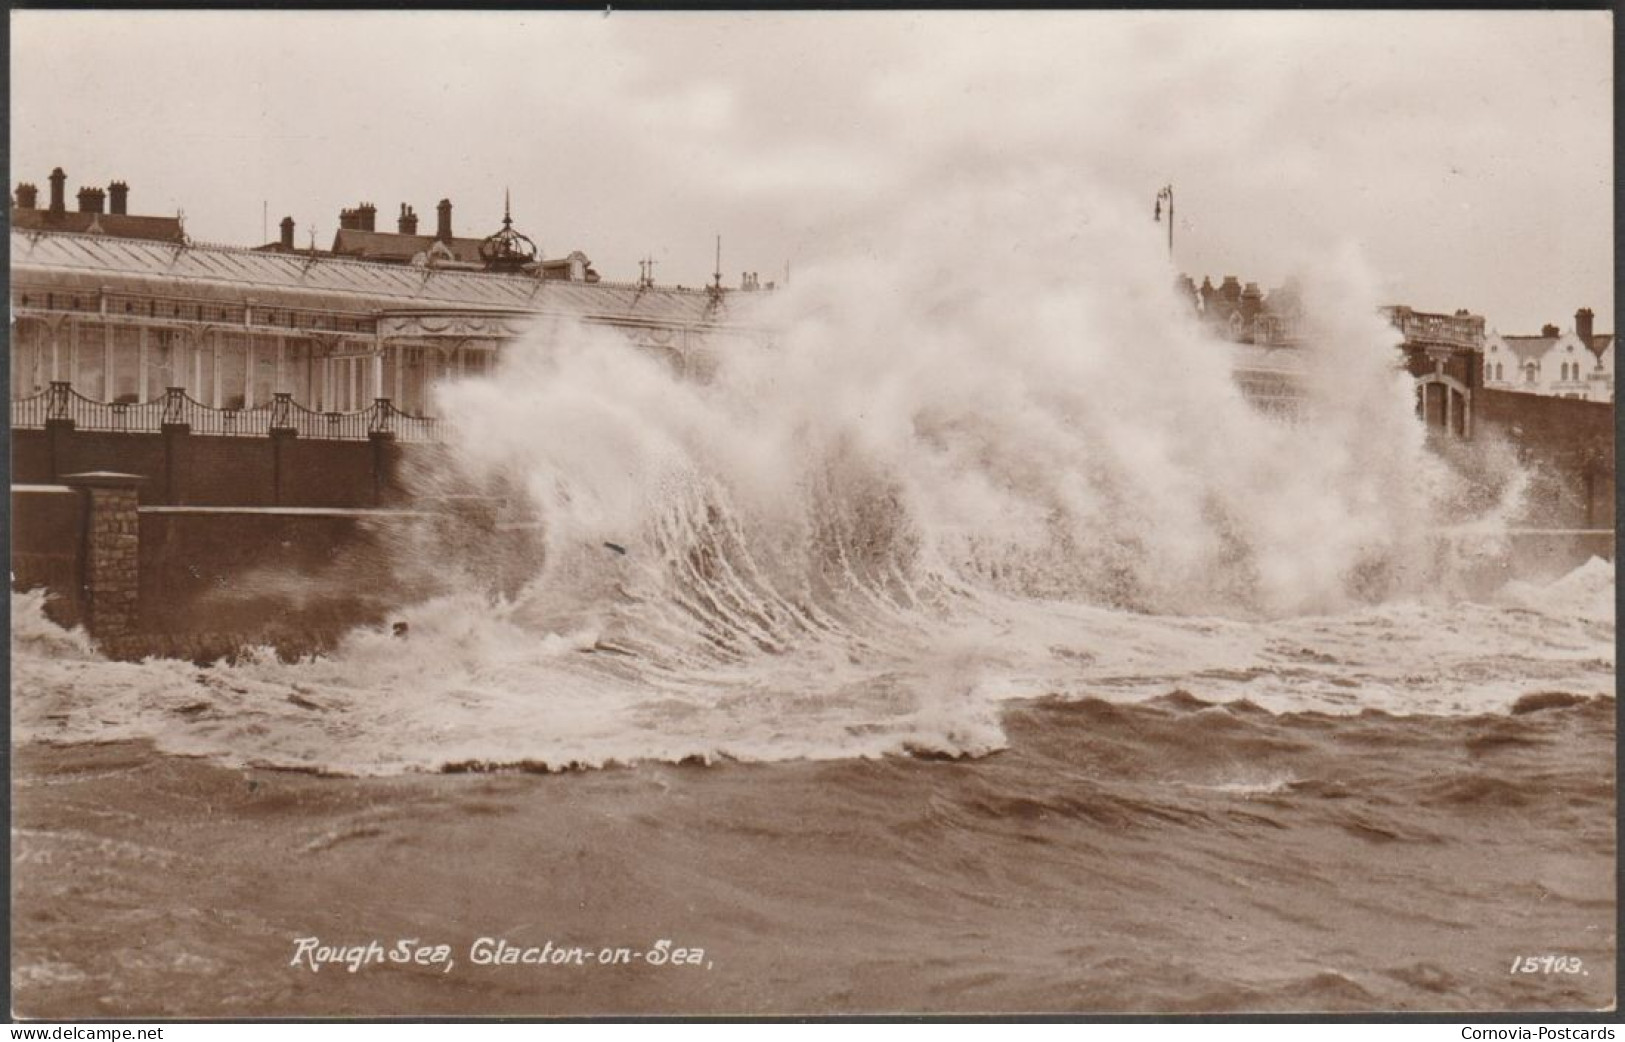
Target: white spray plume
[1008, 391]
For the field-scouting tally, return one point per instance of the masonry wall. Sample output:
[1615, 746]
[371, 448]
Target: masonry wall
[223, 472]
[47, 543]
[112, 561]
[1567, 445]
[333, 473]
[185, 469]
[212, 581]
[31, 457]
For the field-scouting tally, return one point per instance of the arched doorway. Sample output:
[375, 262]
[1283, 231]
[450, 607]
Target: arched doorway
[1444, 403]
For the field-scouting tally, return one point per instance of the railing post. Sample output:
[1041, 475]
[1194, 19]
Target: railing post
[174, 414]
[59, 402]
[381, 434]
[112, 565]
[58, 424]
[282, 413]
[382, 420]
[282, 433]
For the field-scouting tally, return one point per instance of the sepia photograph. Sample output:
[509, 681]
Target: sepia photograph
[811, 514]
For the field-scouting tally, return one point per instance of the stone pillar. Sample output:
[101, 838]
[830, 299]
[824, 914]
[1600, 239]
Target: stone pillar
[112, 562]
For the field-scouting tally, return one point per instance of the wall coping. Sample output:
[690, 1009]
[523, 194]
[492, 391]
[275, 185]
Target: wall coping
[103, 479]
[290, 511]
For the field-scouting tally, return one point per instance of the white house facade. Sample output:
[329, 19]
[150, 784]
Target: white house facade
[1575, 363]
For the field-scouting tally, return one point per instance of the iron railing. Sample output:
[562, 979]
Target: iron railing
[88, 414]
[29, 413]
[60, 402]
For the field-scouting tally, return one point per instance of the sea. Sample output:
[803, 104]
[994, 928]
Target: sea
[1038, 669]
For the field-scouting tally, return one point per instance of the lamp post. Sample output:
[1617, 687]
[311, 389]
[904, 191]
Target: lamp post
[1167, 195]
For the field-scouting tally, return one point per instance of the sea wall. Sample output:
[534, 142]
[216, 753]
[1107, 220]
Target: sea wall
[215, 579]
[184, 469]
[201, 582]
[47, 547]
[1567, 448]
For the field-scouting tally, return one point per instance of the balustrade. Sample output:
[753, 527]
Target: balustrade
[61, 403]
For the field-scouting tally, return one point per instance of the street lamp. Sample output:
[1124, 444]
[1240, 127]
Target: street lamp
[1167, 195]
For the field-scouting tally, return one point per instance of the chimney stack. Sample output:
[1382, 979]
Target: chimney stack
[443, 232]
[1548, 330]
[90, 200]
[407, 223]
[58, 189]
[1582, 325]
[368, 214]
[1252, 302]
[27, 196]
[287, 233]
[118, 198]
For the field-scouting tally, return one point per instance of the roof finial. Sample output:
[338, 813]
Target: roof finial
[507, 210]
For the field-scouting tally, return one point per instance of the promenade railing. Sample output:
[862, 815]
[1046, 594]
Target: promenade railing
[61, 403]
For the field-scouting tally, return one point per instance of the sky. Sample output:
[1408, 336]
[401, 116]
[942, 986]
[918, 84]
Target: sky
[1466, 156]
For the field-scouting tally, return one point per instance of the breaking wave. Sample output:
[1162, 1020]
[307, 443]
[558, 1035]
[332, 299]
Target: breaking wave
[930, 489]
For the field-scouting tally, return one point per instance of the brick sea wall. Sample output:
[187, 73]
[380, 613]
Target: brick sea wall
[181, 468]
[203, 583]
[1567, 446]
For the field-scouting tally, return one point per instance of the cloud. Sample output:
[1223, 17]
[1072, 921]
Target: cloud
[1468, 153]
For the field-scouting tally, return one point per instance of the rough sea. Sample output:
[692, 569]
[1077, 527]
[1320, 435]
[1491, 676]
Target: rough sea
[1005, 673]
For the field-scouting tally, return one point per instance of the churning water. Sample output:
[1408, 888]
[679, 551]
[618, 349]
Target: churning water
[1001, 507]
[937, 488]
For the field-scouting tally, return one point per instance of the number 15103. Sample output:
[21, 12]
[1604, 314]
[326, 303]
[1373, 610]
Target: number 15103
[1547, 964]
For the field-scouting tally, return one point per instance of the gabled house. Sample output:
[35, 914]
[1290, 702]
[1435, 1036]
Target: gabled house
[1577, 363]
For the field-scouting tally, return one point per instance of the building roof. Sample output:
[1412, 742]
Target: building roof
[391, 246]
[1528, 348]
[230, 273]
[117, 225]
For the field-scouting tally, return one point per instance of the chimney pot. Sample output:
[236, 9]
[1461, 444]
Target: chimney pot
[118, 197]
[27, 196]
[443, 231]
[59, 182]
[1583, 325]
[407, 223]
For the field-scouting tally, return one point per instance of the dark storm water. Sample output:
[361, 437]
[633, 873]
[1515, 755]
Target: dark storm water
[1171, 855]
